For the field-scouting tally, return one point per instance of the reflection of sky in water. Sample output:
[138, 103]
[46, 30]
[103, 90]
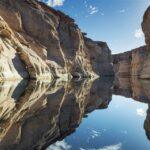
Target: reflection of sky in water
[120, 126]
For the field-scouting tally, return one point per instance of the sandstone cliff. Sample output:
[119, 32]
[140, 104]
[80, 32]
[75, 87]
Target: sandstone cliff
[146, 26]
[132, 63]
[37, 41]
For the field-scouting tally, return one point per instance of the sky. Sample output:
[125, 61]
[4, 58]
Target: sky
[117, 22]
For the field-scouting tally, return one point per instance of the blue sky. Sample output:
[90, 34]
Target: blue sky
[117, 22]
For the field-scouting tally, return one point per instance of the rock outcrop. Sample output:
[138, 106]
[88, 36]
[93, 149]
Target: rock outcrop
[100, 57]
[122, 64]
[37, 41]
[133, 63]
[146, 26]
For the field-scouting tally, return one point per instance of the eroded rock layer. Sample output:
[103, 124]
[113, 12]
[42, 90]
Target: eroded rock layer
[37, 41]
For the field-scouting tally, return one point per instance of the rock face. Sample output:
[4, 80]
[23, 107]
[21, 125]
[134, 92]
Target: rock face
[146, 26]
[122, 64]
[133, 63]
[39, 42]
[100, 57]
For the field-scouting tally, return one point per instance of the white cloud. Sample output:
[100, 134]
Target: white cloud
[122, 11]
[141, 112]
[138, 33]
[124, 132]
[54, 3]
[85, 4]
[60, 145]
[92, 10]
[112, 147]
[95, 134]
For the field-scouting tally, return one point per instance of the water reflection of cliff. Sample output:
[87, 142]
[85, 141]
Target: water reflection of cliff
[36, 114]
[138, 90]
[134, 88]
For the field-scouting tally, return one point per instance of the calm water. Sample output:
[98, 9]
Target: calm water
[106, 114]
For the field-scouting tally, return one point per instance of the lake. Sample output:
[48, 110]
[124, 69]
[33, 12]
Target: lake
[105, 114]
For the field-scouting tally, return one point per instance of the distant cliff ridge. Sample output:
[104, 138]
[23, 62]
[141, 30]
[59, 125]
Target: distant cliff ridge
[37, 42]
[135, 62]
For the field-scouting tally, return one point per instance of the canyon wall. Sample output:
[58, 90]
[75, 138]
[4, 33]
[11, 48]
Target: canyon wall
[37, 41]
[146, 26]
[132, 63]
[135, 62]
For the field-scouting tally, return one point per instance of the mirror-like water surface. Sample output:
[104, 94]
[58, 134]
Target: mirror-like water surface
[105, 114]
